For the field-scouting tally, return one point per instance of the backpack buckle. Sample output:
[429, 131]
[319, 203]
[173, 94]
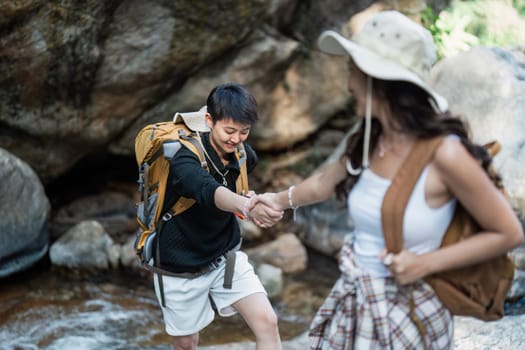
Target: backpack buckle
[167, 216]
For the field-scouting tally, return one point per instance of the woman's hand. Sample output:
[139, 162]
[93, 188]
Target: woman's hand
[269, 199]
[406, 267]
[263, 211]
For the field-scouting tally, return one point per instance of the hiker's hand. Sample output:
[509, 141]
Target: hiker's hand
[262, 213]
[405, 267]
[264, 216]
[268, 199]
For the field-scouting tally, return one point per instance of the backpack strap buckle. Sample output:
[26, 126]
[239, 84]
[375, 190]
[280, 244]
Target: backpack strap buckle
[167, 216]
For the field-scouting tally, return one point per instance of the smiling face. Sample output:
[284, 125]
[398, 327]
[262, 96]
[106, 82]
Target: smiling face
[226, 134]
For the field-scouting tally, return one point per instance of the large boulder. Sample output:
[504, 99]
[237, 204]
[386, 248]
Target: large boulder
[25, 211]
[75, 77]
[82, 79]
[486, 87]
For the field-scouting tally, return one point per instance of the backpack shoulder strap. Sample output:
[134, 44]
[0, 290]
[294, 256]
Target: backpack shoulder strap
[193, 142]
[242, 180]
[398, 193]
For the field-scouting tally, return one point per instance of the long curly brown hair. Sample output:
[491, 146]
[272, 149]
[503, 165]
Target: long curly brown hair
[412, 114]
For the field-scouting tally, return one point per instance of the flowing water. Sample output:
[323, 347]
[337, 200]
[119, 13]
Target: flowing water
[47, 309]
[50, 310]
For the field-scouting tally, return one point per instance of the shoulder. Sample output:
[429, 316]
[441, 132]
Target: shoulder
[183, 155]
[456, 166]
[451, 153]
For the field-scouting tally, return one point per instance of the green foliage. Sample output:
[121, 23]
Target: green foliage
[519, 5]
[469, 23]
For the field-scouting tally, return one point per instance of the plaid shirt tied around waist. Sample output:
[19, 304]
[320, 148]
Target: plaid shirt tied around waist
[364, 312]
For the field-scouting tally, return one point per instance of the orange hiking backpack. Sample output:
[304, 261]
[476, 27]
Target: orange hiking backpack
[478, 290]
[155, 145]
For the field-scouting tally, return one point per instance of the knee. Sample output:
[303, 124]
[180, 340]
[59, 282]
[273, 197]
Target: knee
[269, 321]
[186, 342]
[272, 320]
[266, 329]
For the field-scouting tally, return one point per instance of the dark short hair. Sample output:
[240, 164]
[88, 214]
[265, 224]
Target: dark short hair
[232, 101]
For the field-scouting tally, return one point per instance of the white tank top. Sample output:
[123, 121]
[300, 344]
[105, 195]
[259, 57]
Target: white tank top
[423, 227]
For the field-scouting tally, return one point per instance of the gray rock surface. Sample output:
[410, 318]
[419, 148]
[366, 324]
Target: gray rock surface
[24, 209]
[85, 246]
[486, 87]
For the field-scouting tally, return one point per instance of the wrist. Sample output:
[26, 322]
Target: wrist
[291, 203]
[426, 262]
[246, 206]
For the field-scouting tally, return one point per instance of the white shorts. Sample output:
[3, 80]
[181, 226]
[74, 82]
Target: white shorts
[188, 307]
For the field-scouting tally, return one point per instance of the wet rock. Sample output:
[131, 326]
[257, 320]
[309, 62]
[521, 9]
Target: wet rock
[271, 278]
[128, 259]
[25, 210]
[115, 211]
[286, 252]
[323, 226]
[84, 246]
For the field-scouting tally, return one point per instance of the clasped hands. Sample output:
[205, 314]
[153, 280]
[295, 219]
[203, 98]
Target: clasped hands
[264, 210]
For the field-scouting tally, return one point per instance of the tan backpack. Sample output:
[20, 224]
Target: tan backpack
[155, 144]
[478, 290]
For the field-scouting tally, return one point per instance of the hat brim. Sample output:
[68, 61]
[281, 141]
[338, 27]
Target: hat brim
[195, 121]
[375, 65]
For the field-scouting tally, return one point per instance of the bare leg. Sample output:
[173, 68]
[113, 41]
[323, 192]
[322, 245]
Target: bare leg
[186, 342]
[262, 320]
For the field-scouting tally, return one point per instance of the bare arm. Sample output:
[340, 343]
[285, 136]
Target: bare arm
[318, 187]
[229, 201]
[501, 230]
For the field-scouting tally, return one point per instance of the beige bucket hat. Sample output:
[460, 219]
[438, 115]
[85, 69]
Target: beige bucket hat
[196, 121]
[390, 46]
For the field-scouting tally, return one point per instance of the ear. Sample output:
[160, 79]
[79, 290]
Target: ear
[209, 120]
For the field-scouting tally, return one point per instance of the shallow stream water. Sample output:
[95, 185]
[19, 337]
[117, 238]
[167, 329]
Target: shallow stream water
[47, 309]
[50, 310]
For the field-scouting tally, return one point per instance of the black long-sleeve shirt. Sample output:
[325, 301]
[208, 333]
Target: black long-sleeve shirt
[203, 232]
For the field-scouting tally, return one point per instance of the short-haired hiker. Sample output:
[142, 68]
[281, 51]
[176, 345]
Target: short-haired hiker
[204, 234]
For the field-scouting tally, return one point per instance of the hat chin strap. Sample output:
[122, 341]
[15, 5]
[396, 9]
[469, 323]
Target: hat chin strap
[368, 129]
[368, 121]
